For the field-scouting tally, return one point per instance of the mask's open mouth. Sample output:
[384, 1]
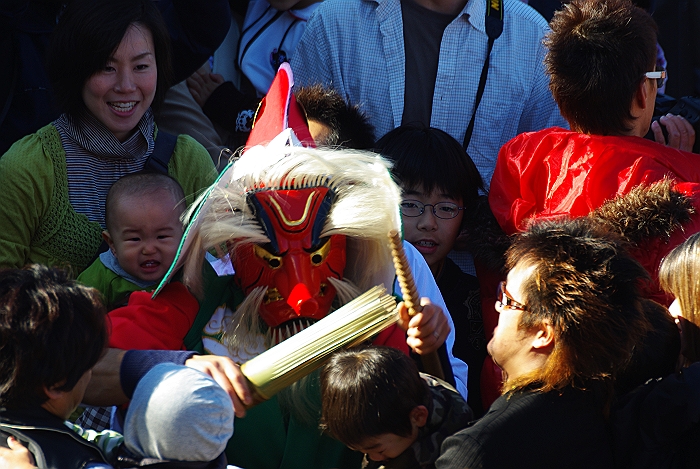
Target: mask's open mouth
[286, 330]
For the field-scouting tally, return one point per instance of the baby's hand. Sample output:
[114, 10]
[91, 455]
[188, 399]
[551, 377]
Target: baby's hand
[202, 84]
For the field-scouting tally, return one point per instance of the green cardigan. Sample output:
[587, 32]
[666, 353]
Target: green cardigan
[38, 223]
[115, 289]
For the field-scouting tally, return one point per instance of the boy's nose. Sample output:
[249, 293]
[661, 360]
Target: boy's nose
[427, 220]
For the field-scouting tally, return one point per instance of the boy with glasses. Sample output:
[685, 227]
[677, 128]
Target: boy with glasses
[440, 189]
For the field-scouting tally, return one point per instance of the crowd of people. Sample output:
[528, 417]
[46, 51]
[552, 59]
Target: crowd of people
[549, 235]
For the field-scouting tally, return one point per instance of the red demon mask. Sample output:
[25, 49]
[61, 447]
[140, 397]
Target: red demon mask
[296, 264]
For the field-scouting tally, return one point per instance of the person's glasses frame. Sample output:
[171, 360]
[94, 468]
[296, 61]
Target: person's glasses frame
[658, 75]
[507, 301]
[443, 210]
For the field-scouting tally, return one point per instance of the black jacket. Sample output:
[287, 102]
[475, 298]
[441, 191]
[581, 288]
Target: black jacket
[533, 430]
[55, 446]
[658, 424]
[52, 443]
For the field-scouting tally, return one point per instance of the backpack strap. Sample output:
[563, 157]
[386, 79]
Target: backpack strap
[8, 56]
[162, 152]
[494, 28]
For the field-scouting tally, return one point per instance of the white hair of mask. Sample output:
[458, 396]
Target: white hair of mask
[365, 209]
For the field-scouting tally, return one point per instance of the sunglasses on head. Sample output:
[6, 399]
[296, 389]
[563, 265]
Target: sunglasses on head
[507, 301]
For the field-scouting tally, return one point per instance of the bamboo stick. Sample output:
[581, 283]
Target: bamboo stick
[350, 325]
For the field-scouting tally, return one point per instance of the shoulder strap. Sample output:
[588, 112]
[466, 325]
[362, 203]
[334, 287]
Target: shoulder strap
[8, 56]
[494, 28]
[162, 152]
[156, 162]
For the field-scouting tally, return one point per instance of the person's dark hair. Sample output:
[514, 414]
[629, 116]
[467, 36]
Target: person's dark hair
[52, 331]
[368, 392]
[143, 184]
[88, 33]
[598, 52]
[586, 285]
[429, 157]
[656, 355]
[349, 127]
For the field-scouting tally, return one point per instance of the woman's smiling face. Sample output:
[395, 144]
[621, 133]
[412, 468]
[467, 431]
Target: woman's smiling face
[121, 93]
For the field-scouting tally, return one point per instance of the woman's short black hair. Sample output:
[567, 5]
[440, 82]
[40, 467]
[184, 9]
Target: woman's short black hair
[429, 157]
[52, 331]
[88, 33]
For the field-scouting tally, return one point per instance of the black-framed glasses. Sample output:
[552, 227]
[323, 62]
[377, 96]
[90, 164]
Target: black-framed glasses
[658, 75]
[507, 301]
[444, 210]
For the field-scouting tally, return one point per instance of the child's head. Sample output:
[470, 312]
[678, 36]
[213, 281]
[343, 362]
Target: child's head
[373, 400]
[178, 413]
[142, 215]
[334, 122]
[432, 168]
[52, 332]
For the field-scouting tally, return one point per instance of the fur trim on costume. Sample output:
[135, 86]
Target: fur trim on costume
[646, 212]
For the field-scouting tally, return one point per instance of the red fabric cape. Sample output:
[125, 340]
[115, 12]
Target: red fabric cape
[557, 172]
[154, 324]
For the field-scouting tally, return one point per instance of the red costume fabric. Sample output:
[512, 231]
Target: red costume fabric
[557, 172]
[154, 324]
[393, 336]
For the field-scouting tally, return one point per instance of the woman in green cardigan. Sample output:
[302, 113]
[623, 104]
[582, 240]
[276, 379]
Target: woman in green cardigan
[110, 64]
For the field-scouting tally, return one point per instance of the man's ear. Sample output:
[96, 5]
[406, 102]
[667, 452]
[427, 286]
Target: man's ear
[53, 393]
[640, 99]
[108, 239]
[419, 415]
[544, 337]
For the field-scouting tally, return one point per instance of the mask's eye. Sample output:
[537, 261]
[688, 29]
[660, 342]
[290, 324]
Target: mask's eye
[320, 254]
[275, 262]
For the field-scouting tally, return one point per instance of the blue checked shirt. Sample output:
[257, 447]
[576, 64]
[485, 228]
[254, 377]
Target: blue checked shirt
[357, 47]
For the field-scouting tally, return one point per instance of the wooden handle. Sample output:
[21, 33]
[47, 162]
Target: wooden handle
[431, 361]
[404, 274]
